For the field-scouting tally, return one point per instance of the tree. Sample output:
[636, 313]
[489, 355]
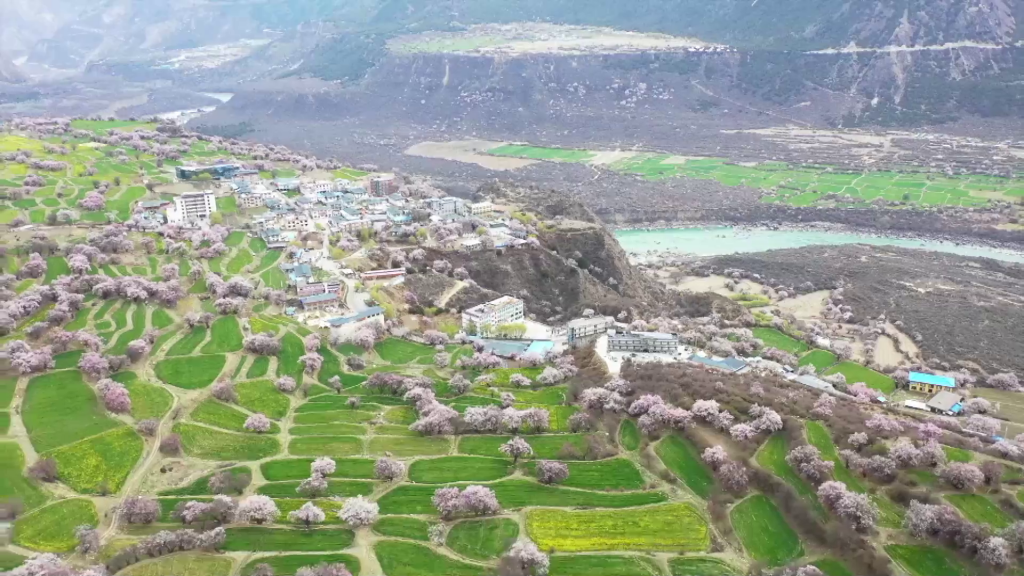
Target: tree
[137, 349]
[224, 391]
[313, 487]
[94, 365]
[359, 511]
[715, 457]
[807, 461]
[88, 540]
[962, 476]
[229, 482]
[44, 470]
[115, 396]
[257, 509]
[478, 501]
[850, 506]
[525, 558]
[323, 467]
[516, 448]
[388, 469]
[311, 362]
[171, 445]
[552, 472]
[286, 384]
[308, 515]
[261, 344]
[983, 425]
[995, 552]
[258, 423]
[139, 510]
[446, 501]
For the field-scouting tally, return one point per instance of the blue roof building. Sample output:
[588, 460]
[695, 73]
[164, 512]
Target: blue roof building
[930, 383]
[318, 300]
[734, 365]
[370, 312]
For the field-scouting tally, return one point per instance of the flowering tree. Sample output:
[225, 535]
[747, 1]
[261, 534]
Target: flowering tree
[224, 391]
[858, 440]
[905, 454]
[929, 432]
[982, 425]
[478, 501]
[115, 396]
[516, 448]
[823, 406]
[88, 540]
[137, 349]
[446, 501]
[552, 472]
[313, 487]
[525, 558]
[258, 423]
[139, 510]
[312, 342]
[311, 362]
[715, 457]
[307, 515]
[884, 424]
[856, 508]
[257, 509]
[995, 552]
[286, 384]
[94, 365]
[262, 345]
[323, 466]
[1004, 381]
[359, 511]
[388, 469]
[962, 476]
[806, 460]
[93, 202]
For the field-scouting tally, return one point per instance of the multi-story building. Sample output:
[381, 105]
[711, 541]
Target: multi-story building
[284, 184]
[216, 171]
[192, 208]
[481, 208]
[347, 326]
[930, 383]
[447, 207]
[582, 329]
[383, 185]
[319, 301]
[658, 342]
[318, 187]
[504, 310]
[303, 288]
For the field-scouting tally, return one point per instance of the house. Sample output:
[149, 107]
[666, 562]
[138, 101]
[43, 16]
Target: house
[347, 326]
[915, 405]
[192, 208]
[481, 209]
[398, 216]
[734, 365]
[946, 403]
[446, 208]
[650, 342]
[584, 329]
[930, 383]
[319, 301]
[285, 184]
[250, 176]
[382, 274]
[383, 185]
[297, 272]
[490, 315]
[216, 171]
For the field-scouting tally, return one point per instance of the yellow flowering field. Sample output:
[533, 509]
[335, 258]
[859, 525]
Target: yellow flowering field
[100, 463]
[664, 528]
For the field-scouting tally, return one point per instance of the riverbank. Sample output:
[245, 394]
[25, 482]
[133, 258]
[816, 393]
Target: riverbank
[691, 242]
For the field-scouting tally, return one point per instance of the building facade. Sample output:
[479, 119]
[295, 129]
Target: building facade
[194, 207]
[319, 301]
[504, 310]
[930, 383]
[481, 209]
[383, 185]
[650, 342]
[585, 329]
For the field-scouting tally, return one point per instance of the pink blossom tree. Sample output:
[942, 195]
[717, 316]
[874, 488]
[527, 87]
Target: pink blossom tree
[323, 467]
[286, 384]
[94, 365]
[525, 558]
[311, 362]
[552, 472]
[983, 425]
[884, 424]
[262, 345]
[516, 448]
[257, 509]
[307, 515]
[139, 510]
[358, 512]
[823, 406]
[388, 470]
[714, 457]
[807, 462]
[446, 501]
[962, 476]
[257, 423]
[115, 396]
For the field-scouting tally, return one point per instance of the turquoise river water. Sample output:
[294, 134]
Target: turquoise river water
[718, 240]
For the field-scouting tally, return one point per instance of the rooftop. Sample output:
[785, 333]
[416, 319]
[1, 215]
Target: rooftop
[317, 298]
[371, 311]
[727, 364]
[595, 321]
[489, 307]
[924, 378]
[946, 402]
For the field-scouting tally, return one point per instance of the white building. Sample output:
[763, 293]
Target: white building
[481, 208]
[193, 207]
[318, 187]
[504, 310]
[586, 328]
[447, 207]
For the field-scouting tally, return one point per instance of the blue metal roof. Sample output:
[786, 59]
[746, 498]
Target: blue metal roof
[923, 378]
[371, 311]
[329, 296]
[728, 364]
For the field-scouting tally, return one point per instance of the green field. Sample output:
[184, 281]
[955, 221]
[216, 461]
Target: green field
[253, 538]
[161, 319]
[288, 565]
[820, 359]
[957, 454]
[458, 469]
[483, 539]
[856, 373]
[56, 266]
[340, 488]
[333, 446]
[832, 567]
[611, 474]
[926, 560]
[239, 261]
[52, 528]
[516, 493]
[665, 528]
[13, 484]
[288, 359]
[406, 446]
[629, 436]
[398, 351]
[215, 413]
[225, 336]
[775, 339]
[536, 153]
[262, 396]
[764, 532]
[235, 238]
[681, 457]
[191, 563]
[259, 367]
[10, 560]
[978, 508]
[701, 566]
[188, 343]
[210, 444]
[298, 468]
[403, 527]
[548, 446]
[819, 437]
[99, 464]
[333, 430]
[148, 400]
[602, 565]
[201, 485]
[408, 559]
[190, 372]
[60, 409]
[772, 456]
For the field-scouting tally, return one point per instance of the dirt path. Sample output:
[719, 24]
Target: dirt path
[443, 300]
[17, 430]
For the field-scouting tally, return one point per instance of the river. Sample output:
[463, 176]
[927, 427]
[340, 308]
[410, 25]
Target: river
[183, 116]
[719, 240]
